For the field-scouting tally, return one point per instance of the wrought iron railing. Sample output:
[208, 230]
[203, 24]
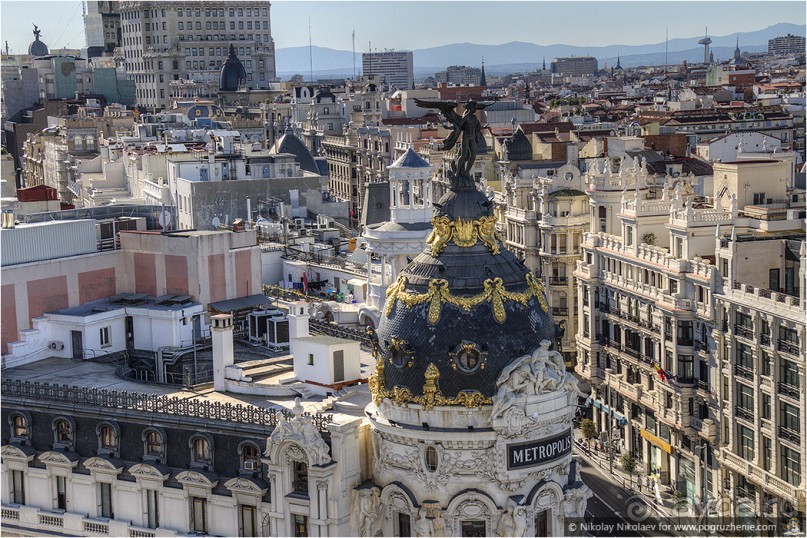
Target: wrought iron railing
[788, 390]
[789, 435]
[743, 371]
[152, 403]
[743, 413]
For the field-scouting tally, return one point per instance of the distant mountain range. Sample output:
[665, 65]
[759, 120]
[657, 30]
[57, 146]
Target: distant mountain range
[521, 56]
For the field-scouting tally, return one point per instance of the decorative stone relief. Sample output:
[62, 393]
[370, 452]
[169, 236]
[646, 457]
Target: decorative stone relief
[540, 373]
[301, 431]
[367, 511]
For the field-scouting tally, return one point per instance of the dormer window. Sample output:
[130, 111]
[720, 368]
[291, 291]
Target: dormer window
[19, 426]
[250, 456]
[63, 433]
[108, 435]
[201, 450]
[154, 444]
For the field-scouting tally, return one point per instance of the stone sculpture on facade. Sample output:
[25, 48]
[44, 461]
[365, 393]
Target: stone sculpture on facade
[541, 372]
[302, 431]
[368, 511]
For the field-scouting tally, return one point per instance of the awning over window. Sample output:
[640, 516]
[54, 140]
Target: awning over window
[620, 418]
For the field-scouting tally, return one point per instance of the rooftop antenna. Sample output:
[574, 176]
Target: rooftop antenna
[310, 52]
[6, 47]
[666, 46]
[354, 54]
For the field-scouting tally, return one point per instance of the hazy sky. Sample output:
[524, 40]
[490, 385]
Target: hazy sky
[420, 24]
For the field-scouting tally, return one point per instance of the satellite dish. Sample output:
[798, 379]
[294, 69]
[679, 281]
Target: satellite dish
[165, 219]
[216, 222]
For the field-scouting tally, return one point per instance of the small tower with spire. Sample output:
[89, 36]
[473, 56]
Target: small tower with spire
[618, 65]
[482, 80]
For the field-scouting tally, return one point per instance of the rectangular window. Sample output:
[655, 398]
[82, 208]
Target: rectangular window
[745, 443]
[789, 417]
[199, 514]
[791, 466]
[300, 477]
[745, 397]
[61, 492]
[789, 373]
[105, 494]
[404, 524]
[767, 453]
[766, 406]
[18, 487]
[105, 342]
[310, 359]
[249, 521]
[300, 525]
[744, 357]
[472, 528]
[152, 509]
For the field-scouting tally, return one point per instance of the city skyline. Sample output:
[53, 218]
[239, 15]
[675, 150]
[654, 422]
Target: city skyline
[623, 23]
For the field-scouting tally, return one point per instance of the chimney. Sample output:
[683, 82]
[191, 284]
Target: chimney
[298, 319]
[298, 323]
[222, 339]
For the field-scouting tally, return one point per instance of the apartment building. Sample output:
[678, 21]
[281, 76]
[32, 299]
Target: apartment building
[672, 383]
[102, 27]
[574, 66]
[164, 42]
[543, 220]
[396, 68]
[789, 44]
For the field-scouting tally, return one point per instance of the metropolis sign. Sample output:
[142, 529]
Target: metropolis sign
[538, 452]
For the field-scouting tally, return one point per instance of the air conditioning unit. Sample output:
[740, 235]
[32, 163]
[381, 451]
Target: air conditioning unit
[57, 346]
[250, 465]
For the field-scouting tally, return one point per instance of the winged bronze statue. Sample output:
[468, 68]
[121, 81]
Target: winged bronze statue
[468, 128]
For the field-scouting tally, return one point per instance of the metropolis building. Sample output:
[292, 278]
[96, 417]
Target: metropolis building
[464, 427]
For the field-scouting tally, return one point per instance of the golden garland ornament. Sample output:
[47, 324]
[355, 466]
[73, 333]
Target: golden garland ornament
[438, 293]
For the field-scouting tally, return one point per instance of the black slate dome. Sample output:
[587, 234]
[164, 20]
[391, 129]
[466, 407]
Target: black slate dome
[37, 47]
[459, 313]
[289, 143]
[233, 74]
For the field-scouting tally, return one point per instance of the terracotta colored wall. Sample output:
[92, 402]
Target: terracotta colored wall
[176, 275]
[46, 295]
[8, 327]
[216, 273]
[243, 273]
[94, 285]
[145, 273]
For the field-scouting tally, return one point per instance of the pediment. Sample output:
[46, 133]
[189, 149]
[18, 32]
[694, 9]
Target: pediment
[243, 484]
[147, 470]
[98, 463]
[62, 459]
[18, 452]
[198, 478]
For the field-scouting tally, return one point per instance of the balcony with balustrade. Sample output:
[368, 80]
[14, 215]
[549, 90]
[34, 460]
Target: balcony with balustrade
[46, 522]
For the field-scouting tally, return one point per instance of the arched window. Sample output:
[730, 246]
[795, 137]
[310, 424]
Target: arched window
[78, 142]
[107, 437]
[250, 456]
[201, 446]
[431, 458]
[20, 422]
[89, 142]
[63, 430]
[153, 443]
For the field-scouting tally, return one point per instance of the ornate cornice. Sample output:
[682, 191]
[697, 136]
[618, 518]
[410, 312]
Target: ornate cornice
[438, 293]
